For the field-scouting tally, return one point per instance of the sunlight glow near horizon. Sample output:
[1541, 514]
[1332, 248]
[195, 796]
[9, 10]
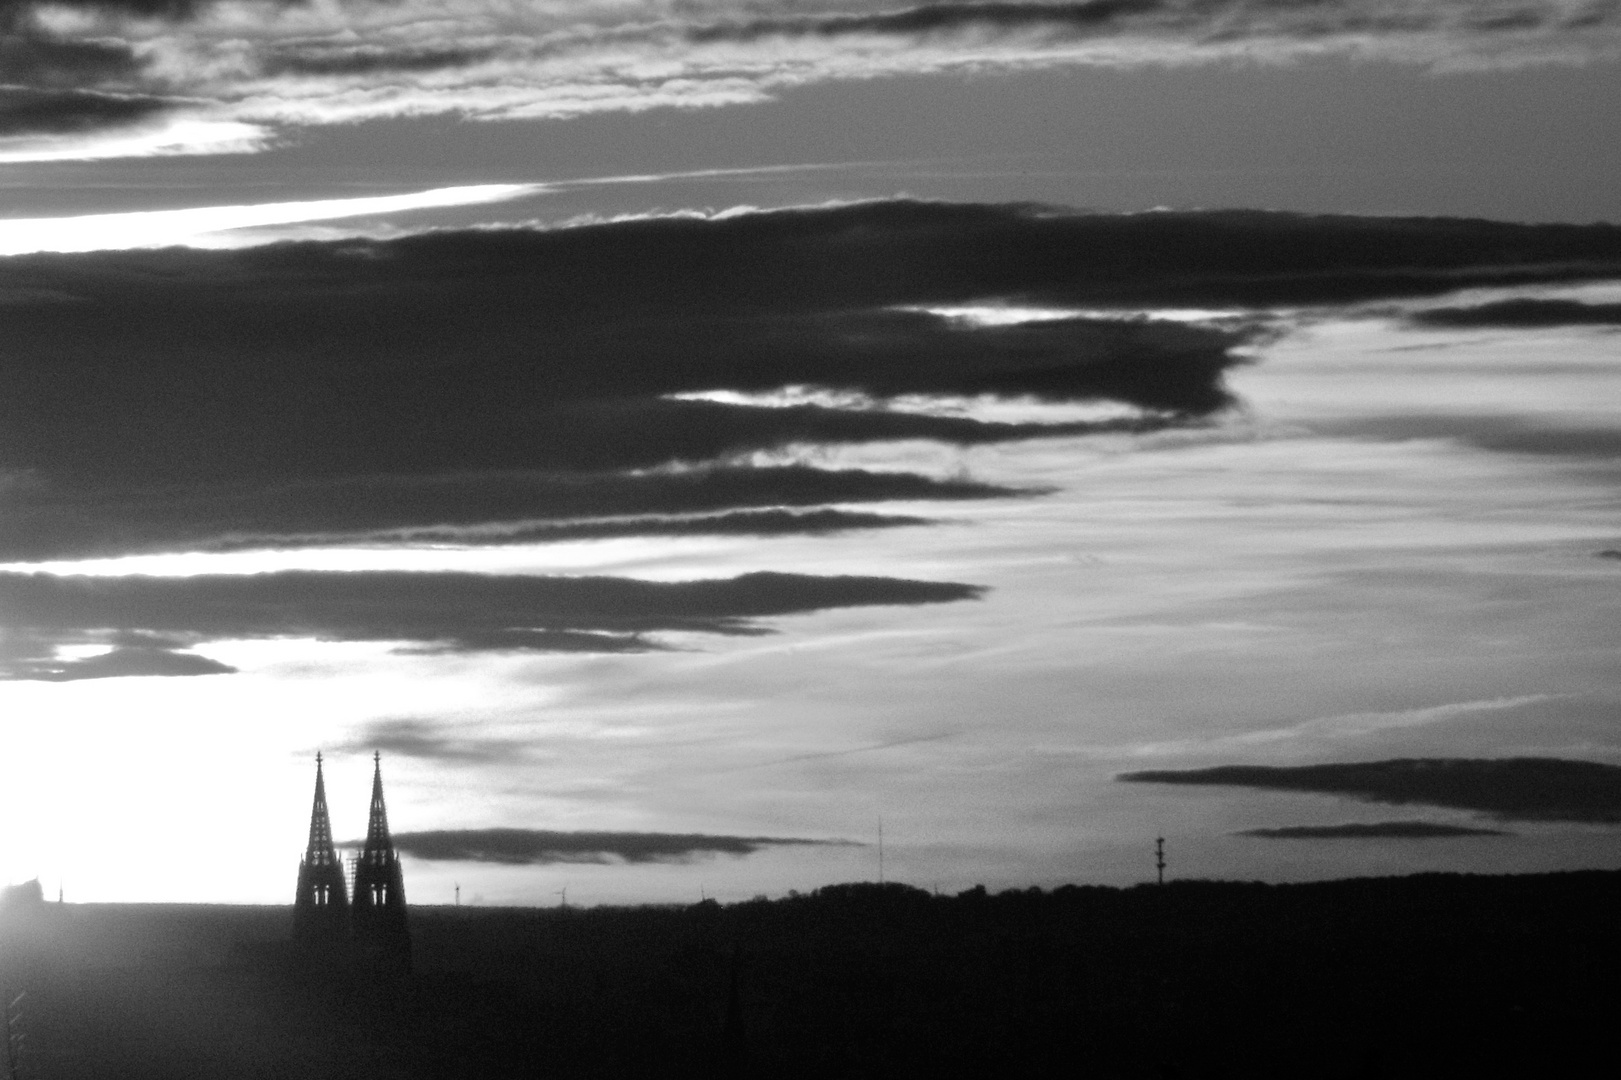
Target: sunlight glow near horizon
[1273, 584]
[212, 226]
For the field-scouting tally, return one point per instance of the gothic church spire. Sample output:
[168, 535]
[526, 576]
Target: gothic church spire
[379, 910]
[321, 905]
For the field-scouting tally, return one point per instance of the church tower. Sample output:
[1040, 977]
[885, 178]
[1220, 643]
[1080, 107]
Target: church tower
[321, 905]
[379, 910]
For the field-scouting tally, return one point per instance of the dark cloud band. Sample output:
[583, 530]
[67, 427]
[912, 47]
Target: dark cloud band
[439, 611]
[457, 350]
[1513, 789]
[929, 19]
[34, 61]
[480, 508]
[54, 112]
[1522, 312]
[364, 386]
[367, 60]
[743, 523]
[539, 847]
[1374, 830]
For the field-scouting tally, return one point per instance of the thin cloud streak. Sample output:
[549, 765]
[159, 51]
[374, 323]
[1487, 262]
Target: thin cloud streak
[1346, 726]
[1373, 830]
[849, 752]
[542, 847]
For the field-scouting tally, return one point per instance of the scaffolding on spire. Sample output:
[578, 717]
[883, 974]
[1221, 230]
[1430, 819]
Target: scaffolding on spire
[379, 919]
[321, 905]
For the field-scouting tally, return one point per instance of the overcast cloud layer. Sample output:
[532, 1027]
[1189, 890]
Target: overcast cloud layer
[94, 78]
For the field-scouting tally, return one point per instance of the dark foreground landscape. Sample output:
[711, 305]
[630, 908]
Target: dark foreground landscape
[1435, 975]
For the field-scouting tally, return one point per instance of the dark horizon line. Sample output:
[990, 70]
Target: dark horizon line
[970, 893]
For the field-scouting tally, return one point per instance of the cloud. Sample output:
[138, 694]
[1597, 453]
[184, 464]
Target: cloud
[43, 522]
[934, 19]
[768, 299]
[1348, 725]
[144, 9]
[540, 847]
[1375, 830]
[1512, 789]
[340, 63]
[491, 379]
[1509, 434]
[432, 611]
[26, 655]
[37, 62]
[743, 523]
[165, 134]
[30, 112]
[1188, 23]
[417, 738]
[399, 384]
[1522, 312]
[367, 59]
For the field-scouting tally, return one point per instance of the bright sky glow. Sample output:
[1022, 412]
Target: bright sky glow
[212, 226]
[1258, 588]
[179, 136]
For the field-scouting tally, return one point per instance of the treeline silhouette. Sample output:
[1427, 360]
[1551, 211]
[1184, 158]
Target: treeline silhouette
[1433, 975]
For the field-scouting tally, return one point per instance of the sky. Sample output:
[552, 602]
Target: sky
[689, 441]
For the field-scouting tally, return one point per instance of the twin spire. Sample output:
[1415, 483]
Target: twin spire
[323, 914]
[378, 844]
[320, 852]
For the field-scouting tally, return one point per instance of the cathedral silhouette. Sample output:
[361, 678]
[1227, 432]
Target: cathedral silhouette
[372, 927]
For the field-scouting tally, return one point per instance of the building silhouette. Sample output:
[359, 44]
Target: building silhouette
[373, 926]
[321, 905]
[380, 928]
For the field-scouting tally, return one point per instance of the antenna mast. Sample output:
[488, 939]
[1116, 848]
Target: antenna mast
[880, 849]
[1159, 858]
